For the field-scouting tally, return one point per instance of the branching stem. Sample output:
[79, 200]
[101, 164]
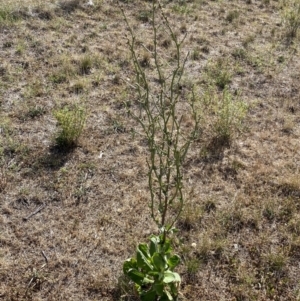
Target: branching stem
[161, 108]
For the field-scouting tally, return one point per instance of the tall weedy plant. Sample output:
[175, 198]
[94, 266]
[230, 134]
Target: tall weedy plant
[168, 118]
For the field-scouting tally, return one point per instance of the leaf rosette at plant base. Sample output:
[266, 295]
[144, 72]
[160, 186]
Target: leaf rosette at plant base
[152, 270]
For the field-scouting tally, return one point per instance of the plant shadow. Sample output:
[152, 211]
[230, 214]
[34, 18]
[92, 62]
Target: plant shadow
[55, 158]
[214, 150]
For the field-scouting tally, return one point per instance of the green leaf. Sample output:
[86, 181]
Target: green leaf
[174, 288]
[171, 277]
[167, 247]
[153, 273]
[136, 276]
[159, 288]
[164, 298]
[177, 277]
[143, 261]
[147, 280]
[168, 295]
[154, 240]
[143, 248]
[158, 262]
[173, 261]
[173, 230]
[129, 264]
[149, 296]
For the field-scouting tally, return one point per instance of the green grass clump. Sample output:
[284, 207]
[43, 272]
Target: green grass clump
[291, 18]
[227, 112]
[230, 114]
[231, 16]
[218, 73]
[7, 15]
[71, 122]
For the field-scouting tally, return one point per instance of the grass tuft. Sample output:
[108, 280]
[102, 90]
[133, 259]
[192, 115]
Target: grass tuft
[71, 122]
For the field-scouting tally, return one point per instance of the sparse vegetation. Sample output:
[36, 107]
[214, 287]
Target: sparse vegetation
[7, 15]
[234, 14]
[70, 217]
[219, 73]
[291, 17]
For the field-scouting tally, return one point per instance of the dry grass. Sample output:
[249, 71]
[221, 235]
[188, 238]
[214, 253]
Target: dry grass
[239, 233]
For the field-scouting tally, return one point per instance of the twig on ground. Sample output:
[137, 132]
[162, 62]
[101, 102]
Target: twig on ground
[44, 255]
[35, 212]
